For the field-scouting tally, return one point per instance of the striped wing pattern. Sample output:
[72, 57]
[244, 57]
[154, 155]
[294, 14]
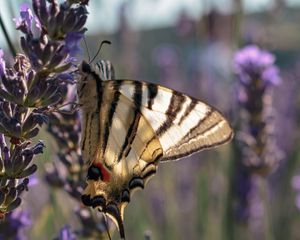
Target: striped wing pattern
[182, 124]
[129, 127]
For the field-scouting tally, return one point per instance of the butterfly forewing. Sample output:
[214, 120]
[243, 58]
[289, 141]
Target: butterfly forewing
[129, 127]
[182, 124]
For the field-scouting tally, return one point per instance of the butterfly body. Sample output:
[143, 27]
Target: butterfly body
[129, 127]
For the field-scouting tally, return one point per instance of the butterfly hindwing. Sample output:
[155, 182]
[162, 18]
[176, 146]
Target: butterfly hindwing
[126, 153]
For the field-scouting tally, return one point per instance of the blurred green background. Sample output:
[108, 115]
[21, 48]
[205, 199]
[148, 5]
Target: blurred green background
[189, 46]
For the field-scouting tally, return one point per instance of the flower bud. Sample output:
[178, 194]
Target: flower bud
[32, 133]
[28, 171]
[10, 196]
[12, 206]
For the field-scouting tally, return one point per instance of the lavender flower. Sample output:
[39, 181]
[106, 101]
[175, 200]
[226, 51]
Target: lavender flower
[25, 21]
[14, 225]
[296, 186]
[16, 168]
[72, 46]
[66, 234]
[251, 62]
[37, 80]
[257, 152]
[257, 75]
[68, 171]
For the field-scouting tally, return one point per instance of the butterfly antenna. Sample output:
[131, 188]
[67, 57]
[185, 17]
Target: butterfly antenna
[103, 42]
[106, 226]
[87, 49]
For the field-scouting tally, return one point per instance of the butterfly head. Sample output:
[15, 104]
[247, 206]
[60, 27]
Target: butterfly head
[87, 86]
[102, 69]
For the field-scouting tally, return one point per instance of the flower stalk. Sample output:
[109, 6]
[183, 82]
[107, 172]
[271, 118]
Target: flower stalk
[256, 150]
[36, 82]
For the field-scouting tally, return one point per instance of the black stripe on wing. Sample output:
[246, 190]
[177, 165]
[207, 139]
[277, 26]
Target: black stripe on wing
[188, 110]
[201, 121]
[85, 130]
[131, 133]
[90, 133]
[99, 93]
[174, 107]
[152, 92]
[116, 86]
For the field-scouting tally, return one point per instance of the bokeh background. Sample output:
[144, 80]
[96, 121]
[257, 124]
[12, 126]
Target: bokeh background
[189, 46]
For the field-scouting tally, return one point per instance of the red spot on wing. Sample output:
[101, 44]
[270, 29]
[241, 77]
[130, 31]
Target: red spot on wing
[104, 172]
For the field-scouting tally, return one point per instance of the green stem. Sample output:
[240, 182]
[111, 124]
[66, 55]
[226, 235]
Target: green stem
[229, 218]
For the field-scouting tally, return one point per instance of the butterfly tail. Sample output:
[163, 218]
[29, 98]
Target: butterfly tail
[112, 210]
[116, 213]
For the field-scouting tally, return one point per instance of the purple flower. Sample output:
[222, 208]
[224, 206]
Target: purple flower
[296, 185]
[12, 227]
[29, 87]
[66, 233]
[26, 16]
[258, 153]
[2, 63]
[296, 182]
[24, 22]
[72, 45]
[66, 77]
[251, 63]
[271, 74]
[19, 218]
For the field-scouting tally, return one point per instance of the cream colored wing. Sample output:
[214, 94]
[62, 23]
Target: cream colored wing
[126, 155]
[182, 124]
[139, 125]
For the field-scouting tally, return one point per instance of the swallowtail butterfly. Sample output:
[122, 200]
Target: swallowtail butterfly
[129, 127]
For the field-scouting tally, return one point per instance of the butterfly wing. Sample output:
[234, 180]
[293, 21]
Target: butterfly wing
[140, 124]
[123, 158]
[182, 124]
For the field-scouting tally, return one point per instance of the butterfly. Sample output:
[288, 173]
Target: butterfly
[129, 127]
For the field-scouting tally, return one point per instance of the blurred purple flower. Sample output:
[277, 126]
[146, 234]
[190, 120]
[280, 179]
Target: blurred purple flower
[66, 233]
[296, 185]
[257, 153]
[296, 182]
[33, 180]
[2, 63]
[297, 201]
[251, 62]
[12, 227]
[257, 75]
[19, 218]
[242, 189]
